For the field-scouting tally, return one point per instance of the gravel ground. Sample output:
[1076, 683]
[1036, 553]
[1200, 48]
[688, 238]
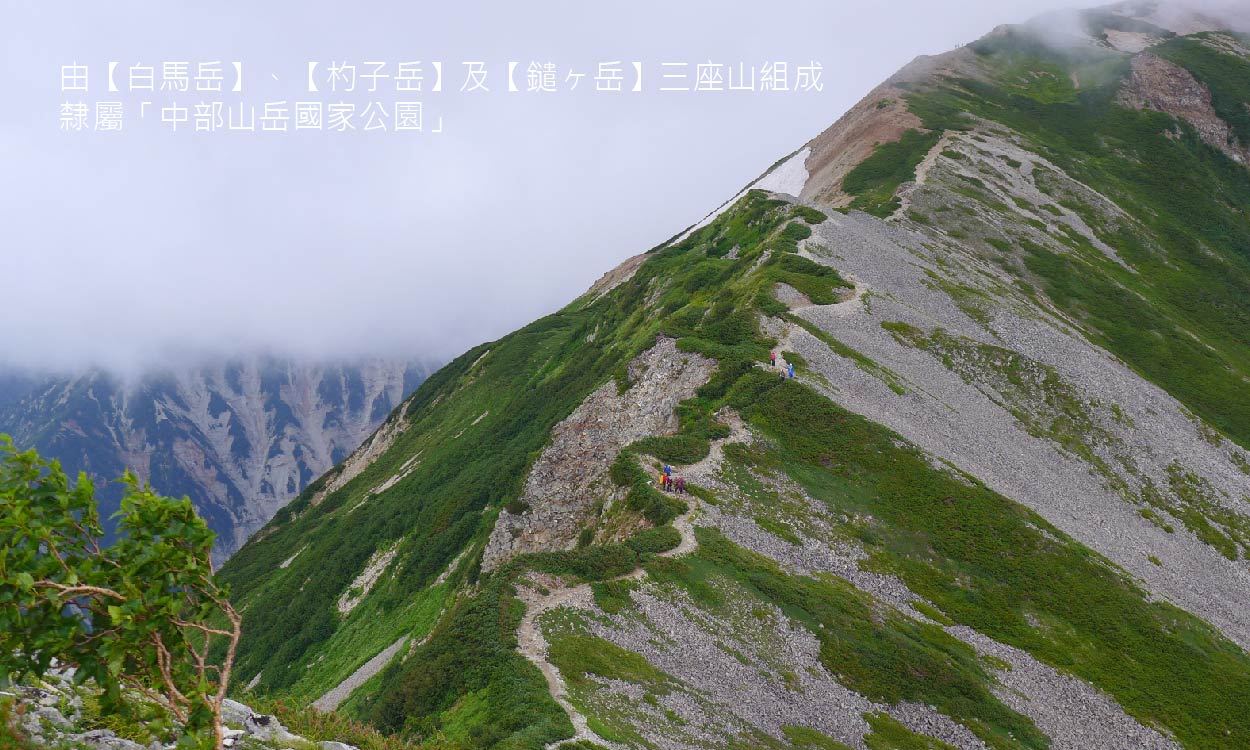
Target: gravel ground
[723, 694]
[1074, 714]
[968, 427]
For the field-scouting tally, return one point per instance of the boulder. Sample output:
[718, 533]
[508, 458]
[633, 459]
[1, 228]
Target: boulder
[104, 739]
[234, 713]
[268, 729]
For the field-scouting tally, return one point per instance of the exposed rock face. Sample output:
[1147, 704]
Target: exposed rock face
[617, 276]
[881, 117]
[1160, 85]
[240, 439]
[571, 475]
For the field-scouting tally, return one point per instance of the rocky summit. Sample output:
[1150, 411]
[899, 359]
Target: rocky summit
[954, 402]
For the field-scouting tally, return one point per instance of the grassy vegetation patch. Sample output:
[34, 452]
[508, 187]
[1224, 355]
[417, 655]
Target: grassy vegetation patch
[794, 233]
[889, 734]
[819, 283]
[806, 738]
[871, 648]
[874, 181]
[580, 656]
[1178, 320]
[997, 567]
[809, 214]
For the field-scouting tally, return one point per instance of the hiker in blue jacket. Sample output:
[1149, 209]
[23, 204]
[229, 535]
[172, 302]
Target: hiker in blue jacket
[792, 371]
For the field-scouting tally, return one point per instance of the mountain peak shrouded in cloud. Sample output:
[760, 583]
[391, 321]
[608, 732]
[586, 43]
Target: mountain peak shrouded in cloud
[1135, 23]
[138, 248]
[1192, 16]
[240, 437]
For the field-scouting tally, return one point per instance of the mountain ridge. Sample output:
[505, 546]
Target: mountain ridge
[1004, 502]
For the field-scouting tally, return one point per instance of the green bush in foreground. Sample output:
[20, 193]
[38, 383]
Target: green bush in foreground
[139, 617]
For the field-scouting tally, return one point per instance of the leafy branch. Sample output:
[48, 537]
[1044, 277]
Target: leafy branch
[144, 615]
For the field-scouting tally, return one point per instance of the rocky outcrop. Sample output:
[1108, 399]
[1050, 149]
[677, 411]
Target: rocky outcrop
[56, 712]
[571, 476]
[1162, 86]
[881, 117]
[617, 276]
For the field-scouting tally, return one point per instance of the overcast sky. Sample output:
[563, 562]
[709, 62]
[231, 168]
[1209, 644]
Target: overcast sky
[145, 246]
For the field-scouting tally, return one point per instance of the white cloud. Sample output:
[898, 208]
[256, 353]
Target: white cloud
[126, 250]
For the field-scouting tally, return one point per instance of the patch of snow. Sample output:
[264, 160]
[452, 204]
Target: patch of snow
[790, 177]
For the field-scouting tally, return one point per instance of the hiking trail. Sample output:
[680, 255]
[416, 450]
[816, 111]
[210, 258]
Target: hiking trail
[531, 641]
[849, 306]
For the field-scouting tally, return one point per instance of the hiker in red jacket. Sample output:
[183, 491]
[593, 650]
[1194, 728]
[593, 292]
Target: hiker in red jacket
[772, 358]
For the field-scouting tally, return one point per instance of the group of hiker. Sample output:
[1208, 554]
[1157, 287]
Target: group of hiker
[669, 483]
[787, 371]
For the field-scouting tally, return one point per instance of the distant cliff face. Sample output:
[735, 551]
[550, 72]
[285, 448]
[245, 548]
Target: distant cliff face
[240, 439]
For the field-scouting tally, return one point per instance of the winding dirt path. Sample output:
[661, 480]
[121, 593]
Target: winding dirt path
[531, 641]
[849, 306]
[533, 646]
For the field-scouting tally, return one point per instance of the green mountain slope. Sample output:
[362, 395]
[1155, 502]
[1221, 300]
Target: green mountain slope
[1177, 312]
[1004, 502]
